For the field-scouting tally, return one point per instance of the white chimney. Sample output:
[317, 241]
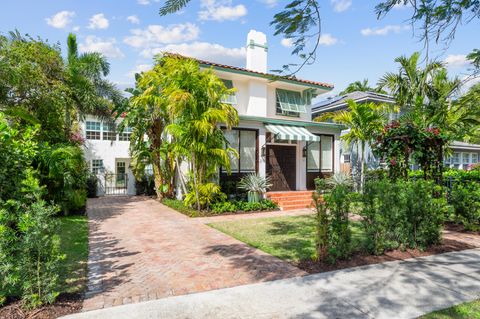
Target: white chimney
[257, 50]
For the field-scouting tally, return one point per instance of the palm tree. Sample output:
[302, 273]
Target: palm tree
[362, 86]
[410, 85]
[195, 99]
[90, 92]
[364, 120]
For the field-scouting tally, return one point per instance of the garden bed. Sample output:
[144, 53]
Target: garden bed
[72, 276]
[362, 259]
[190, 212]
[64, 305]
[291, 238]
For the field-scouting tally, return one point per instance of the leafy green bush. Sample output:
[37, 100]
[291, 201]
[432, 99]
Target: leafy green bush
[333, 236]
[208, 194]
[145, 186]
[223, 207]
[234, 206]
[465, 199]
[456, 175]
[405, 214]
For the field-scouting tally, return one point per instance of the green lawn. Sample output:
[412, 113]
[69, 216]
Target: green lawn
[289, 237]
[469, 310]
[74, 244]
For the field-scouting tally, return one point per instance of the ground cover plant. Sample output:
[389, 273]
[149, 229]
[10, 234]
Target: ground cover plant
[224, 207]
[469, 310]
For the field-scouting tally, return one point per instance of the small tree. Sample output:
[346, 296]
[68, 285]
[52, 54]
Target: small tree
[364, 121]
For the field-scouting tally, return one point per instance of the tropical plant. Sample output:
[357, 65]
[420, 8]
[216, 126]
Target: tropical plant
[339, 179]
[364, 121]
[256, 185]
[204, 195]
[195, 100]
[90, 92]
[362, 86]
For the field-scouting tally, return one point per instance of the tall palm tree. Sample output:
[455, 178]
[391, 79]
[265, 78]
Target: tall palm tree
[196, 103]
[364, 120]
[410, 85]
[90, 92]
[362, 86]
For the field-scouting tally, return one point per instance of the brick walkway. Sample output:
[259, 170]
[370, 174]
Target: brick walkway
[141, 250]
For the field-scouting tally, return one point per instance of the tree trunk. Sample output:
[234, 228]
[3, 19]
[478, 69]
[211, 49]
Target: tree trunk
[157, 175]
[362, 172]
[195, 184]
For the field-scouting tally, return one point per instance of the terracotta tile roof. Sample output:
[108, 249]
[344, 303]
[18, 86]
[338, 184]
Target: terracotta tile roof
[266, 75]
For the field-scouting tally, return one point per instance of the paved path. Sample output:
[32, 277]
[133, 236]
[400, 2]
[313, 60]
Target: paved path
[398, 289]
[142, 250]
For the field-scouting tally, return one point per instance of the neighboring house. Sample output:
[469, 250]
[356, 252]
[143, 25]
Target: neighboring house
[275, 136]
[464, 154]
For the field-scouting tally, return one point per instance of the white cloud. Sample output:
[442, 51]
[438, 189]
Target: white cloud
[341, 5]
[133, 19]
[204, 51]
[98, 21]
[106, 47]
[385, 30]
[327, 40]
[139, 68]
[61, 19]
[270, 3]
[221, 10]
[400, 6]
[456, 60]
[156, 35]
[288, 43]
[146, 2]
[76, 28]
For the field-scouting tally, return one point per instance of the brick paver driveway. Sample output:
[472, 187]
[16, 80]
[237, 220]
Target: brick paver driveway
[142, 250]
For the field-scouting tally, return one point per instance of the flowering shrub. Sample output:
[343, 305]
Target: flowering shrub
[401, 142]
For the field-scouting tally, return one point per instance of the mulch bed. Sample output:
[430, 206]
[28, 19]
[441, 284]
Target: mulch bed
[450, 226]
[362, 259]
[64, 305]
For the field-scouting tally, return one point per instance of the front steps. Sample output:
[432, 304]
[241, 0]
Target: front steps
[291, 200]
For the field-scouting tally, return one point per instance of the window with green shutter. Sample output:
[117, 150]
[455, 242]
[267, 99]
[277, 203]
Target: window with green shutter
[290, 103]
[229, 98]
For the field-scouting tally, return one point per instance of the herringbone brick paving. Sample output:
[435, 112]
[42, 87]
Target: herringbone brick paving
[142, 250]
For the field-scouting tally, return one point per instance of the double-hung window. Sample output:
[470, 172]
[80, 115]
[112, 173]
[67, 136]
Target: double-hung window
[109, 132]
[229, 98]
[125, 135]
[474, 157]
[320, 155]
[97, 166]
[245, 143]
[93, 130]
[290, 103]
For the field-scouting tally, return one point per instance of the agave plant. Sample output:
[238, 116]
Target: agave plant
[339, 179]
[255, 185]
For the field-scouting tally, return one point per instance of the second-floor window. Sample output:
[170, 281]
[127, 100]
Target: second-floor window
[290, 103]
[96, 130]
[93, 130]
[109, 132]
[229, 98]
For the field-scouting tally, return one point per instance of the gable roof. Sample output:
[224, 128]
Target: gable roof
[340, 102]
[274, 77]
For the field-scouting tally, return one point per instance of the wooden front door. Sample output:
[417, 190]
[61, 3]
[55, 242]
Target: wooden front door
[282, 167]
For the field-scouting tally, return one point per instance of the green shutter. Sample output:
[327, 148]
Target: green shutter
[291, 101]
[229, 98]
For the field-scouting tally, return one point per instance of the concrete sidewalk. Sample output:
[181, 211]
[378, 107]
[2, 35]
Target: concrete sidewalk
[399, 289]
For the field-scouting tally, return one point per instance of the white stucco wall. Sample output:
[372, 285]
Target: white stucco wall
[110, 152]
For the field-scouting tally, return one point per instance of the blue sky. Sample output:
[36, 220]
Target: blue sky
[355, 45]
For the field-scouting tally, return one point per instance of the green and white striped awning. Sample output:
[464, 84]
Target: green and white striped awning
[288, 132]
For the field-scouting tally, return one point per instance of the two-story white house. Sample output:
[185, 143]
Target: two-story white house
[275, 136]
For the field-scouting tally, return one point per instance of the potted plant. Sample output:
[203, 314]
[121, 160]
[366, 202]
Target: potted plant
[255, 185]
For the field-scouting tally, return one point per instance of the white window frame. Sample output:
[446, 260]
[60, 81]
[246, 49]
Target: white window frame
[97, 169]
[95, 131]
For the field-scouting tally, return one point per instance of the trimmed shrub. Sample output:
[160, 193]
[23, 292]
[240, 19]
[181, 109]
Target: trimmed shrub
[465, 199]
[402, 214]
[92, 186]
[333, 235]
